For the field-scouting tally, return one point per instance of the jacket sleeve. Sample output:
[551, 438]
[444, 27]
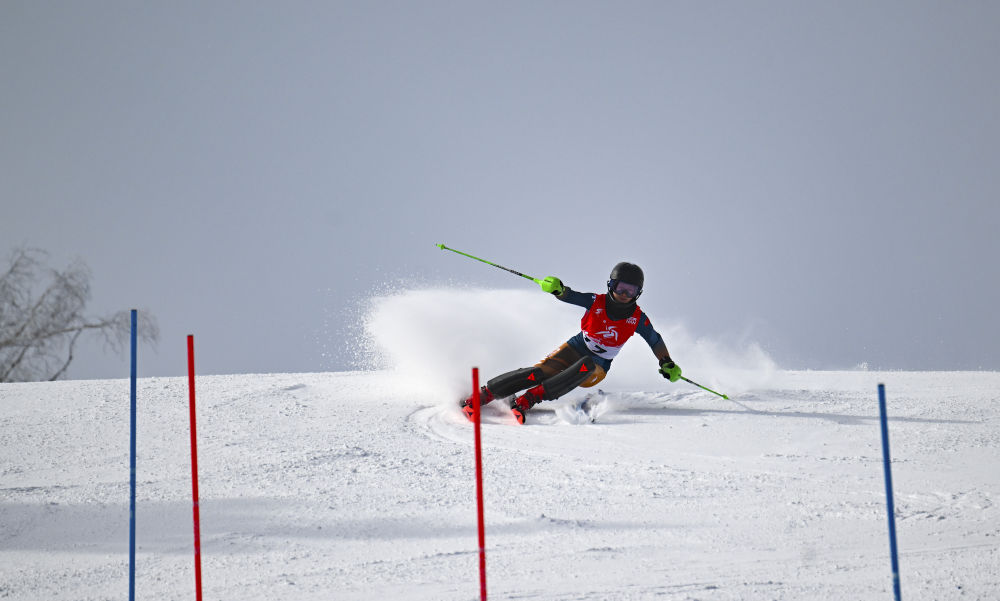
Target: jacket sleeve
[653, 339]
[580, 299]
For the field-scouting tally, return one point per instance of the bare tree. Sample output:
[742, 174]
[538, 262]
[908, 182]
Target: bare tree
[42, 318]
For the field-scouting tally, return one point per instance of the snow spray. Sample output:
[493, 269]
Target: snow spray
[429, 336]
[888, 490]
[194, 472]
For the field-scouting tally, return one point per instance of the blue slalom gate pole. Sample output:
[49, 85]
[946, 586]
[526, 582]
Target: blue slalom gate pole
[888, 490]
[131, 521]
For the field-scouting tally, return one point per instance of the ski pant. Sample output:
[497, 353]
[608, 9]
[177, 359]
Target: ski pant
[562, 371]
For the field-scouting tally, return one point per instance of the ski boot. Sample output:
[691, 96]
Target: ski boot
[468, 405]
[525, 402]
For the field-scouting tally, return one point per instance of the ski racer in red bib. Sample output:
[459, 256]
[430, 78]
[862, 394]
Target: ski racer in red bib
[583, 360]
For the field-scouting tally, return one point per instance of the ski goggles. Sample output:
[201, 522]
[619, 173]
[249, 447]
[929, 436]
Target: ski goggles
[625, 289]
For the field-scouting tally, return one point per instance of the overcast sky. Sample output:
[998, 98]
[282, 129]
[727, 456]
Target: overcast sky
[822, 178]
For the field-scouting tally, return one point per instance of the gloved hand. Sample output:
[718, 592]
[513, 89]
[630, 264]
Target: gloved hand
[552, 285]
[670, 371]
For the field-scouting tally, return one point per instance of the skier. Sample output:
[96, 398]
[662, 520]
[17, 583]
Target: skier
[583, 360]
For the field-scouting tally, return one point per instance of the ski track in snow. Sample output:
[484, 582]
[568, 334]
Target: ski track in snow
[350, 486]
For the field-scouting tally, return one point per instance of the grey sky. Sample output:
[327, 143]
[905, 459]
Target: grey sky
[820, 177]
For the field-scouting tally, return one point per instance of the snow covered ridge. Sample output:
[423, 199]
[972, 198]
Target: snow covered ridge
[353, 486]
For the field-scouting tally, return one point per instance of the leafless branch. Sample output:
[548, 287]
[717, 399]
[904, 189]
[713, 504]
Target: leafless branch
[39, 330]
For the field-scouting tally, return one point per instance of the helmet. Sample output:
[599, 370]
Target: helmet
[630, 273]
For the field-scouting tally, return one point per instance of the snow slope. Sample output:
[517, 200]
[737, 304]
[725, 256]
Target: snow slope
[359, 485]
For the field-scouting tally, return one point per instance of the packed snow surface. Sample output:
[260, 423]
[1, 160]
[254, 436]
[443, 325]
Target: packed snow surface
[361, 485]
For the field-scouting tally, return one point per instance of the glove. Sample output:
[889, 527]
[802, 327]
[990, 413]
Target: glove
[670, 371]
[552, 285]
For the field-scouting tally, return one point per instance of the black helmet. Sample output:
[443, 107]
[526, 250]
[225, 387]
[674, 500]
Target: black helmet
[630, 273]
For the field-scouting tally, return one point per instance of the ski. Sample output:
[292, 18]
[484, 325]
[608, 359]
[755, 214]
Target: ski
[519, 414]
[584, 410]
[470, 414]
[589, 408]
[468, 411]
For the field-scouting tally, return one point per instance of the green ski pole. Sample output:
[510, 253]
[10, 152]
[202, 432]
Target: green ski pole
[703, 388]
[527, 277]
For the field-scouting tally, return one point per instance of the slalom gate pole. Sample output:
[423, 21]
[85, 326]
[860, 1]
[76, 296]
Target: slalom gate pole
[527, 277]
[131, 502]
[194, 473]
[888, 490]
[703, 388]
[479, 485]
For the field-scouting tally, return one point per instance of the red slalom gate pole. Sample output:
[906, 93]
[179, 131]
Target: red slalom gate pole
[479, 486]
[194, 473]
